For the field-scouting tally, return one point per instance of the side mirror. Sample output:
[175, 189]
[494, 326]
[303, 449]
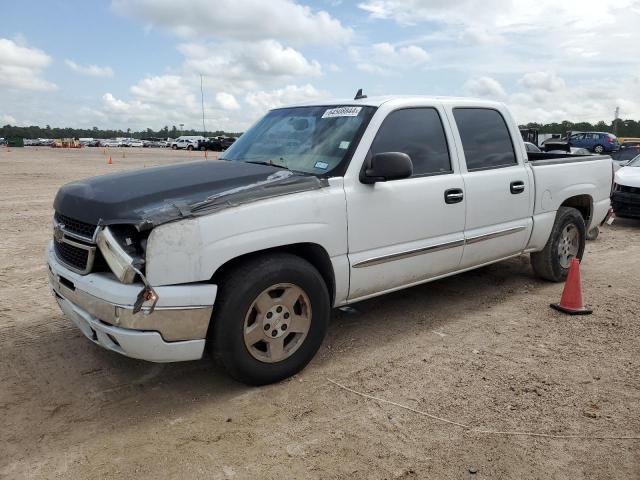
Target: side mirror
[387, 166]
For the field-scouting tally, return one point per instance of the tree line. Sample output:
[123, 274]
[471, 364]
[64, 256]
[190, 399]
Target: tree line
[622, 128]
[619, 127]
[9, 131]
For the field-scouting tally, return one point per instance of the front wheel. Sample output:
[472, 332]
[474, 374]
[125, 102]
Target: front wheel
[598, 149]
[566, 242]
[271, 316]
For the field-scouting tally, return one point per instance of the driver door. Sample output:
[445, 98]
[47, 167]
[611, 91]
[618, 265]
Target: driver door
[404, 232]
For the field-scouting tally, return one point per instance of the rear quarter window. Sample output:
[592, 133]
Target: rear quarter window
[485, 138]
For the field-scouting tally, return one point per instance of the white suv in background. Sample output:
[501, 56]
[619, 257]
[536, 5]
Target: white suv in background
[186, 142]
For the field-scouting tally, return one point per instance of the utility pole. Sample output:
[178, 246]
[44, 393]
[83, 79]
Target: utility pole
[202, 101]
[615, 121]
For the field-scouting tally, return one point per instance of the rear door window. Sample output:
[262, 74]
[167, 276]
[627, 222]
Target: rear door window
[419, 133]
[485, 138]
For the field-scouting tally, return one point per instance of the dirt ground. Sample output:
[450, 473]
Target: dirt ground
[482, 348]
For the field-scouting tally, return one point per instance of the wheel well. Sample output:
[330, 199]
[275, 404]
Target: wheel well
[311, 252]
[583, 204]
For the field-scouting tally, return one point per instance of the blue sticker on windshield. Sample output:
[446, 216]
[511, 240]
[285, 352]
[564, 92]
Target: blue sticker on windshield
[321, 165]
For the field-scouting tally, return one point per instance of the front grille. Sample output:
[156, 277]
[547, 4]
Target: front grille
[625, 189]
[71, 255]
[75, 226]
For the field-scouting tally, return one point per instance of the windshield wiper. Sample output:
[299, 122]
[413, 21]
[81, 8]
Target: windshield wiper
[270, 163]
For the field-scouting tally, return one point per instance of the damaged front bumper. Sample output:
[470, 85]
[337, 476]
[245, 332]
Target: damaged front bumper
[102, 308]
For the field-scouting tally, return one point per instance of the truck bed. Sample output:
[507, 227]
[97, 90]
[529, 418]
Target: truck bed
[546, 158]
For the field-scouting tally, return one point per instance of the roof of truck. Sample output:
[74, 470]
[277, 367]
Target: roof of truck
[376, 101]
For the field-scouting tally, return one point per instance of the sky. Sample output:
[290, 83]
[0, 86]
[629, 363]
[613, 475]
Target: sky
[139, 63]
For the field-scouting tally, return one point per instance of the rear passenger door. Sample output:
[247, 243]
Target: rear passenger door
[498, 187]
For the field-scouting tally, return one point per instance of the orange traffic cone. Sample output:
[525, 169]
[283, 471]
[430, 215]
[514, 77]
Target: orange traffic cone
[110, 162]
[571, 301]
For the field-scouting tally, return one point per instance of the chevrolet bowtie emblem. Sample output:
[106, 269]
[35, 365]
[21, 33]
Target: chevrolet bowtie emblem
[58, 232]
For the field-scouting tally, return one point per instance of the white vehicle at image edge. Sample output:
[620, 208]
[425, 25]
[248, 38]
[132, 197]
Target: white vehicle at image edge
[186, 142]
[316, 206]
[626, 191]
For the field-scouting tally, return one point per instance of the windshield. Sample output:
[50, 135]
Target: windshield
[635, 162]
[315, 140]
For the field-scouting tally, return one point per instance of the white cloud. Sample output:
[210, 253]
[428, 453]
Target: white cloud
[227, 101]
[165, 90]
[239, 19]
[246, 61]
[485, 87]
[547, 81]
[265, 100]
[589, 100]
[501, 14]
[7, 120]
[89, 70]
[21, 67]
[383, 58]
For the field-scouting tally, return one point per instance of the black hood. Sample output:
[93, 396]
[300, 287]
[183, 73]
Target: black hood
[156, 195]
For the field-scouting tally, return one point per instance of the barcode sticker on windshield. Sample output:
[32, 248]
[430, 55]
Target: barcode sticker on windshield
[342, 112]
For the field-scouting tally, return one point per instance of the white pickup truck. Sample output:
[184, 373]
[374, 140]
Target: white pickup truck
[316, 206]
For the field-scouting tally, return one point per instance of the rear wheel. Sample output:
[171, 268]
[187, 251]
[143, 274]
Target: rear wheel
[566, 242]
[598, 149]
[174, 147]
[271, 316]
[190, 147]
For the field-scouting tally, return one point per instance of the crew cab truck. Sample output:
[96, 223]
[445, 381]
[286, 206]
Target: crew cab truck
[316, 206]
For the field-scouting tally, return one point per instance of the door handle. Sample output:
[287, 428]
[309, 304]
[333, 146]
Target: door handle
[453, 195]
[517, 187]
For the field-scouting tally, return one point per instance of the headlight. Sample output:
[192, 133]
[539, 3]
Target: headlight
[121, 263]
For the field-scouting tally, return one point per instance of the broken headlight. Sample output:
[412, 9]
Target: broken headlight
[120, 253]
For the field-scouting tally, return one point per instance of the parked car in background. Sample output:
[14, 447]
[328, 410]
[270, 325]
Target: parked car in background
[154, 143]
[531, 147]
[3, 142]
[227, 142]
[628, 151]
[572, 151]
[132, 142]
[111, 142]
[212, 143]
[625, 198]
[187, 142]
[596, 142]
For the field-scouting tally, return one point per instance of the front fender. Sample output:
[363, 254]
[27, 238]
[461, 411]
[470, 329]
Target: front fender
[191, 250]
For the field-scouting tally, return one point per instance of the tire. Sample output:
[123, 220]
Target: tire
[190, 148]
[550, 263]
[246, 352]
[174, 147]
[593, 233]
[598, 149]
